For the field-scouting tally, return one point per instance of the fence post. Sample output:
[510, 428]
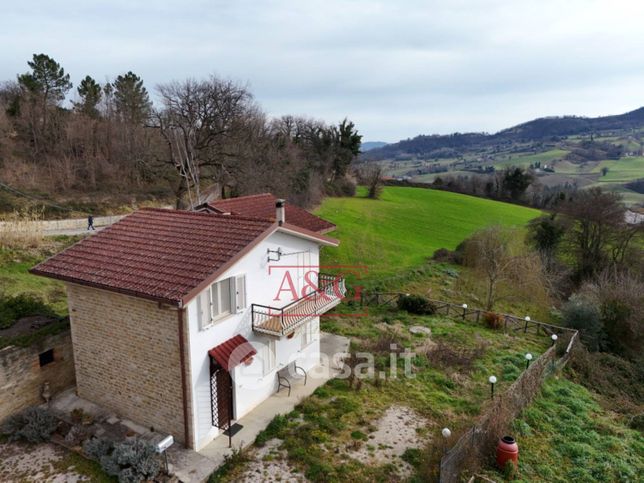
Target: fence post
[478, 316]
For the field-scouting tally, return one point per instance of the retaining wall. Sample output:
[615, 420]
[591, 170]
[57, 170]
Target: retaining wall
[22, 376]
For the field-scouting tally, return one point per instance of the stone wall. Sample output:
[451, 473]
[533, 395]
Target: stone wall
[22, 377]
[127, 357]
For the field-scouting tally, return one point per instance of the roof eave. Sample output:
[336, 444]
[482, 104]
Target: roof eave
[162, 300]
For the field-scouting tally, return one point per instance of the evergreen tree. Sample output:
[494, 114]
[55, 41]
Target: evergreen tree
[47, 78]
[131, 98]
[90, 93]
[347, 147]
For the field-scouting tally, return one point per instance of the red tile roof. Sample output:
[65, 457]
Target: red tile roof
[263, 206]
[158, 254]
[232, 352]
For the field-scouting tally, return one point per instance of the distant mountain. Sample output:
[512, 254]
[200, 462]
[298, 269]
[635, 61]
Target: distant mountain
[542, 129]
[369, 145]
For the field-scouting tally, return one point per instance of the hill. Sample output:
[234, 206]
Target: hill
[369, 145]
[542, 129]
[402, 229]
[563, 151]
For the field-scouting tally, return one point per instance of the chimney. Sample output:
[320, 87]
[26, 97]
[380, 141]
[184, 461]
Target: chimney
[280, 212]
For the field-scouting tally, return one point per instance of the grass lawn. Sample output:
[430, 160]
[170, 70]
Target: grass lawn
[621, 170]
[525, 160]
[566, 436]
[16, 279]
[403, 228]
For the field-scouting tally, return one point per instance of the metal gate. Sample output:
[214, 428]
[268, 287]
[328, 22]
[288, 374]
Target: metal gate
[221, 393]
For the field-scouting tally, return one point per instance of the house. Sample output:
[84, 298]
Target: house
[186, 321]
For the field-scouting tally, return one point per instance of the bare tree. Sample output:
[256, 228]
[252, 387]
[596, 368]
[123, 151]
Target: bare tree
[599, 236]
[501, 267]
[198, 121]
[371, 176]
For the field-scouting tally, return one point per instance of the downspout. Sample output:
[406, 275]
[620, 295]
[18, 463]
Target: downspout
[184, 383]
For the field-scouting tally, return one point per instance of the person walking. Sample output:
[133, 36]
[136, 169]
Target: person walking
[90, 223]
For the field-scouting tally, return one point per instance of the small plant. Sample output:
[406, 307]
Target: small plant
[493, 320]
[416, 304]
[33, 425]
[97, 448]
[359, 435]
[237, 458]
[131, 461]
[413, 456]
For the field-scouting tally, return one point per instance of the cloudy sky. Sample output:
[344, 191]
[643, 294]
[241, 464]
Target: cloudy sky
[397, 68]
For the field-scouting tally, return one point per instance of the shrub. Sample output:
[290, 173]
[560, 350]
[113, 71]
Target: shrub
[341, 187]
[416, 304]
[443, 356]
[137, 459]
[97, 448]
[493, 320]
[22, 305]
[582, 314]
[34, 425]
[131, 461]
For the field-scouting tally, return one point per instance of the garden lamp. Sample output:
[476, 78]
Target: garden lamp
[492, 380]
[528, 358]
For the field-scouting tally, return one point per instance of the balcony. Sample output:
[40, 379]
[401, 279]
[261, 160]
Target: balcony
[282, 321]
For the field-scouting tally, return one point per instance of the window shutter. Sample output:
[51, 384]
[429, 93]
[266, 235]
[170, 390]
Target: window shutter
[203, 309]
[240, 293]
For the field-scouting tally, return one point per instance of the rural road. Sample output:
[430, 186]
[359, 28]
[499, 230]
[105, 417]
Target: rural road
[71, 231]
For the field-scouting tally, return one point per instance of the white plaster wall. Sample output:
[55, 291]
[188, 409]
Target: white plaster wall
[251, 387]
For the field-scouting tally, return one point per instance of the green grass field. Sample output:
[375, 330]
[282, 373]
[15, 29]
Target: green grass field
[403, 228]
[545, 157]
[566, 425]
[621, 170]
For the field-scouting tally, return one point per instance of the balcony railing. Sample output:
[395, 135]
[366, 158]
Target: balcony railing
[281, 321]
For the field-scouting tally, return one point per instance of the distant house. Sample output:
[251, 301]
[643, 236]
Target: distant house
[181, 320]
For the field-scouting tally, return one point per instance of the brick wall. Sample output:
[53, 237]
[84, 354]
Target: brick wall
[126, 351]
[22, 377]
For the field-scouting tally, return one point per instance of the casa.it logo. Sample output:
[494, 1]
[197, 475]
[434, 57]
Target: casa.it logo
[306, 290]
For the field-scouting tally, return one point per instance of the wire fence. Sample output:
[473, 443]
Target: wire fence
[476, 446]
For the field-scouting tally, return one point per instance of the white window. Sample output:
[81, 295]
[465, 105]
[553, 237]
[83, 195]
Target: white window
[268, 356]
[310, 332]
[223, 298]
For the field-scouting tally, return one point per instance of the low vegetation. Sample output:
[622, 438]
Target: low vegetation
[448, 386]
[567, 425]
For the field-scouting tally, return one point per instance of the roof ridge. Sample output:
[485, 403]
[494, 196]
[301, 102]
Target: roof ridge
[199, 213]
[257, 195]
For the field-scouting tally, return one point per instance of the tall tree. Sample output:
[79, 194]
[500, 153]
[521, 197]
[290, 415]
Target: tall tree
[545, 234]
[131, 99]
[347, 147]
[43, 89]
[599, 236]
[201, 121]
[90, 93]
[46, 78]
